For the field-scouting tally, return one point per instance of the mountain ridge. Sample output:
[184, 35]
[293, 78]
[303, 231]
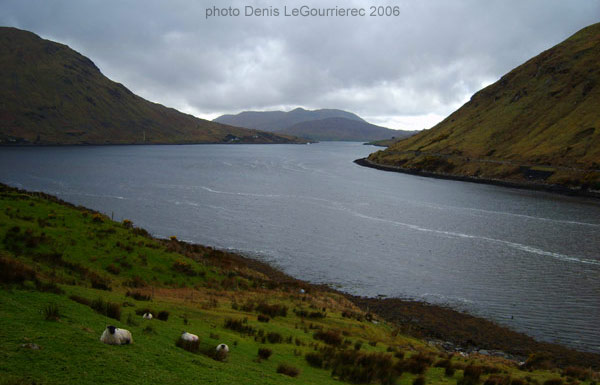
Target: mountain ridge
[342, 129]
[321, 124]
[274, 121]
[52, 95]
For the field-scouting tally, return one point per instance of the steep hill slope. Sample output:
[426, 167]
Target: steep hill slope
[51, 94]
[342, 129]
[279, 120]
[540, 122]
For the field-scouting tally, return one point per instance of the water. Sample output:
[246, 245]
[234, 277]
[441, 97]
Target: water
[526, 259]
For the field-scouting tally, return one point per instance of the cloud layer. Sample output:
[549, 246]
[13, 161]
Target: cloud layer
[406, 72]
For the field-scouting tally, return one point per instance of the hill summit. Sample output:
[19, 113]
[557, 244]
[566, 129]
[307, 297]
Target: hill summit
[539, 123]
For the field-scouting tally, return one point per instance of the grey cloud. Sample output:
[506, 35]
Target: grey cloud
[426, 62]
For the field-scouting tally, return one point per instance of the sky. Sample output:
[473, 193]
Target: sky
[405, 70]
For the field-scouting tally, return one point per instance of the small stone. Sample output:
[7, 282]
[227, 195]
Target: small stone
[31, 346]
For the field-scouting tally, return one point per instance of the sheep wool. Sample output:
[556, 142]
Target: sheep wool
[115, 336]
[147, 316]
[223, 348]
[189, 337]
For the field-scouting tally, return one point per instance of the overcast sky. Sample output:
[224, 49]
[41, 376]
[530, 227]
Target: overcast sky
[403, 72]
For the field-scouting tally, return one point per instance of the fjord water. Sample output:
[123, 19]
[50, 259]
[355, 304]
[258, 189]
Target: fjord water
[529, 260]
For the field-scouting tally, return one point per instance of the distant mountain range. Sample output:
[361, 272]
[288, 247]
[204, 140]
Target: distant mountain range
[540, 123]
[50, 94]
[320, 125]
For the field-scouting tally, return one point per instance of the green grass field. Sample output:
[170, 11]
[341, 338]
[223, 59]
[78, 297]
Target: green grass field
[52, 253]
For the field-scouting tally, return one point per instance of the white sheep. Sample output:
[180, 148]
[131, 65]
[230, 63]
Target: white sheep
[116, 336]
[147, 316]
[222, 348]
[189, 337]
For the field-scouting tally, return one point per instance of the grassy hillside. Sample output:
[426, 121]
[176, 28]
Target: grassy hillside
[539, 122]
[67, 272]
[51, 94]
[342, 129]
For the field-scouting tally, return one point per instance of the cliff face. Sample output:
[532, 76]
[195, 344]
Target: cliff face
[540, 121]
[51, 94]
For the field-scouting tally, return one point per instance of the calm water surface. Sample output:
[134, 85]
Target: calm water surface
[528, 260]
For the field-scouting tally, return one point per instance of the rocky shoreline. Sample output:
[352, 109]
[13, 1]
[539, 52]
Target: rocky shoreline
[449, 329]
[496, 182]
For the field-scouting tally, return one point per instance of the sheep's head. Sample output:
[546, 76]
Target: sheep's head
[111, 329]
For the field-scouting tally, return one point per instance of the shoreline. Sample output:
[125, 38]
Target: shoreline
[555, 189]
[451, 330]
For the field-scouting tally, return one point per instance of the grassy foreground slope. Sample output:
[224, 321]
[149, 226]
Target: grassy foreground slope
[67, 272]
[540, 122]
[53, 95]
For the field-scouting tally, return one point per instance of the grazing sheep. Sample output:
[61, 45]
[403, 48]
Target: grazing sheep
[116, 336]
[147, 316]
[189, 337]
[223, 348]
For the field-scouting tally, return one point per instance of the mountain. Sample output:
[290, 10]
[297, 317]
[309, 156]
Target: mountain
[324, 124]
[51, 94]
[342, 129]
[540, 123]
[279, 120]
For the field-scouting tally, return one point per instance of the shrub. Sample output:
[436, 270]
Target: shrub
[98, 218]
[99, 282]
[553, 381]
[471, 375]
[517, 381]
[113, 269]
[357, 345]
[274, 338]
[138, 296]
[163, 315]
[577, 372]
[135, 281]
[358, 367]
[184, 268]
[316, 314]
[288, 370]
[497, 380]
[109, 309]
[314, 359]
[264, 353]
[263, 318]
[419, 381]
[443, 363]
[127, 224]
[540, 360]
[12, 271]
[81, 300]
[272, 310]
[417, 364]
[330, 337]
[51, 312]
[48, 287]
[239, 326]
[449, 371]
[190, 346]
